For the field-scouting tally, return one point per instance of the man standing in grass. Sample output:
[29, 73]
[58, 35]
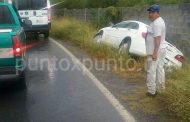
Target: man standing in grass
[155, 51]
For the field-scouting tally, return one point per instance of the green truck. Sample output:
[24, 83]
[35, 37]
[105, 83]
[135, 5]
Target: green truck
[12, 43]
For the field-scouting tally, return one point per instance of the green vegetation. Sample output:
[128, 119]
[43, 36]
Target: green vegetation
[111, 14]
[126, 3]
[175, 101]
[116, 3]
[177, 95]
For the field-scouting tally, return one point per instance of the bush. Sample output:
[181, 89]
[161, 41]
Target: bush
[107, 16]
[112, 14]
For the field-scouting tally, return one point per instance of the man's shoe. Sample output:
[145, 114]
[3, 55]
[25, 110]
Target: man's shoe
[151, 95]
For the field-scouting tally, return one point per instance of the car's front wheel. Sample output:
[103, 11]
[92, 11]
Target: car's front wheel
[98, 36]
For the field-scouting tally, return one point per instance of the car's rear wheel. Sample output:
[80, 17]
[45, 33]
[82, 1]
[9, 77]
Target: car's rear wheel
[125, 46]
[36, 35]
[46, 34]
[22, 80]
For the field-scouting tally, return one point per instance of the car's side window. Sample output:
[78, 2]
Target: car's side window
[120, 25]
[6, 16]
[132, 25]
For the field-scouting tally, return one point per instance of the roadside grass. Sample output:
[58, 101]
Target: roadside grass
[139, 102]
[175, 101]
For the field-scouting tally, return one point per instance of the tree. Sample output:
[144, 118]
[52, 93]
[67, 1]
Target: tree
[75, 3]
[86, 3]
[101, 3]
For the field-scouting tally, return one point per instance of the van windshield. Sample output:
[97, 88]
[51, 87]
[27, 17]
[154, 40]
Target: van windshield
[30, 4]
[5, 16]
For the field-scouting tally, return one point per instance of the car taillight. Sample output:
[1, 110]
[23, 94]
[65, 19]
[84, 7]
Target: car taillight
[180, 58]
[144, 35]
[49, 15]
[17, 47]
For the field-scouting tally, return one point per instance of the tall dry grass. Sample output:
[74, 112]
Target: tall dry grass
[176, 98]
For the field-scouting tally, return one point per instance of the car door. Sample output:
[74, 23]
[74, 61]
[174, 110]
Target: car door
[6, 20]
[114, 33]
[111, 33]
[130, 28]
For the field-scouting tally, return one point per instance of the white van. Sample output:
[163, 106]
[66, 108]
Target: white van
[38, 11]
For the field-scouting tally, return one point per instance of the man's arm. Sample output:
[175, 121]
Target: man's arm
[157, 30]
[157, 41]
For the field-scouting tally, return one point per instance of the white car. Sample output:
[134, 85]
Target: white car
[129, 36]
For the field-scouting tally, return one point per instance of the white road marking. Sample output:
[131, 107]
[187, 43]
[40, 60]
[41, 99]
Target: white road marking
[127, 117]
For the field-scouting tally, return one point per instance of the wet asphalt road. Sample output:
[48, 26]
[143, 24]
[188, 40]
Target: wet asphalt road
[53, 94]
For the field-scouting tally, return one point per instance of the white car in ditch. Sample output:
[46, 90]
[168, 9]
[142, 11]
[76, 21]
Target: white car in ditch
[129, 36]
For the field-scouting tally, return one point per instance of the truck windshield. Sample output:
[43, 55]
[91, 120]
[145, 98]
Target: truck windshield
[30, 4]
[5, 16]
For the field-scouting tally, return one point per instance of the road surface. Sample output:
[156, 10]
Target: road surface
[54, 94]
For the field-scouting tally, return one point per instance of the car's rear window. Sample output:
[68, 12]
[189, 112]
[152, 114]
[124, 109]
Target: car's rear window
[6, 16]
[30, 4]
